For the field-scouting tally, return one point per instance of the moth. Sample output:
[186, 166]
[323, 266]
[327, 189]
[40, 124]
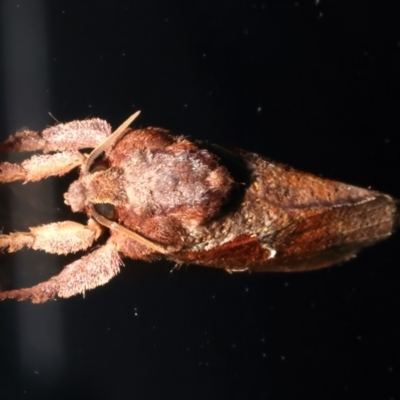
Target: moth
[154, 195]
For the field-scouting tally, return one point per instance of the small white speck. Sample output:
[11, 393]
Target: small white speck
[204, 55]
[283, 358]
[185, 105]
[317, 2]
[264, 355]
[246, 289]
[36, 372]
[320, 15]
[259, 109]
[273, 253]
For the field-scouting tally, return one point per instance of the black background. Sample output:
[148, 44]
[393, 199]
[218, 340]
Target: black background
[315, 84]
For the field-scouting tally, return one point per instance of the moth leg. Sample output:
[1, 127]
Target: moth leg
[42, 166]
[58, 238]
[71, 136]
[93, 270]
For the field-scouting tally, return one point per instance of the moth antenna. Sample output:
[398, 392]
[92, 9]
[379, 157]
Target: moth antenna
[103, 220]
[108, 142]
[127, 232]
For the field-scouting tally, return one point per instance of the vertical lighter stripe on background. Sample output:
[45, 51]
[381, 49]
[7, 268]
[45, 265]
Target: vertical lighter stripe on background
[25, 95]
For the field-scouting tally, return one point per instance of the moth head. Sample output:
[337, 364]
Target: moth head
[100, 187]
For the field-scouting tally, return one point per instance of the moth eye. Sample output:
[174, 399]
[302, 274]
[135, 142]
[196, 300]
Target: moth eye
[107, 210]
[99, 166]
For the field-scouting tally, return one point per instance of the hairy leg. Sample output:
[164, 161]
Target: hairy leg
[58, 238]
[93, 270]
[40, 167]
[71, 136]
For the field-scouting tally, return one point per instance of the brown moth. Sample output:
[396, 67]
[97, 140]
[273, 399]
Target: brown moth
[162, 196]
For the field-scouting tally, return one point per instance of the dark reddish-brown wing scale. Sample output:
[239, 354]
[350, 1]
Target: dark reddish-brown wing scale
[236, 210]
[315, 222]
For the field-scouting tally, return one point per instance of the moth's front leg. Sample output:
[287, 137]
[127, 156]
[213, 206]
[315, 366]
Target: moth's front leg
[93, 270]
[71, 136]
[40, 167]
[58, 238]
